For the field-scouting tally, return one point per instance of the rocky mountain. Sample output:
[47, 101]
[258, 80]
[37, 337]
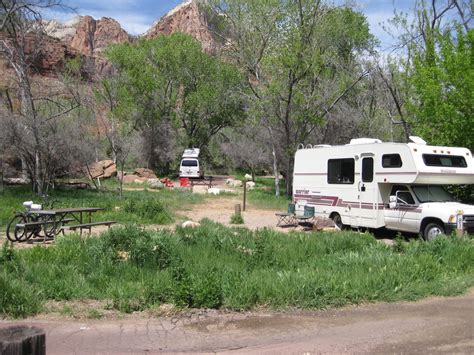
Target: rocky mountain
[188, 18]
[85, 37]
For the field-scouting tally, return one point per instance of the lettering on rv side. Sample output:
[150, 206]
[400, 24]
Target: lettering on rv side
[302, 192]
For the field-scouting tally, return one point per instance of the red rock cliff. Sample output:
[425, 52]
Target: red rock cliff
[186, 18]
[90, 37]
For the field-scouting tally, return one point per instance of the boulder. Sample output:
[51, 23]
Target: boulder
[155, 184]
[129, 179]
[144, 173]
[250, 185]
[248, 177]
[17, 181]
[214, 191]
[236, 183]
[190, 224]
[233, 183]
[103, 169]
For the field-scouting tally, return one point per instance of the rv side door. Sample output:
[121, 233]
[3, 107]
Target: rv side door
[368, 206]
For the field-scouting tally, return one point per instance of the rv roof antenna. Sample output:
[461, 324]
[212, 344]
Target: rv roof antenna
[417, 140]
[309, 146]
[300, 146]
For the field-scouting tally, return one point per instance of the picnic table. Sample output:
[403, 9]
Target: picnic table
[205, 181]
[54, 221]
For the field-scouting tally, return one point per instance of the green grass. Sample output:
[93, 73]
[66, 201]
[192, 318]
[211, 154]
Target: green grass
[132, 269]
[236, 218]
[144, 207]
[263, 196]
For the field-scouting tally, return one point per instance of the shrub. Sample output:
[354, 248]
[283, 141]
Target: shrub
[17, 299]
[148, 209]
[236, 218]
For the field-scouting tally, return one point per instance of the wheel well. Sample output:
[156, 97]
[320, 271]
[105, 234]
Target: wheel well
[428, 220]
[331, 216]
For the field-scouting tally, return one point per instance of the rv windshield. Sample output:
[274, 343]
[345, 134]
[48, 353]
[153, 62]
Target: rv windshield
[432, 193]
[189, 162]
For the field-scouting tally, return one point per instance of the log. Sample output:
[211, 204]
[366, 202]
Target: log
[22, 340]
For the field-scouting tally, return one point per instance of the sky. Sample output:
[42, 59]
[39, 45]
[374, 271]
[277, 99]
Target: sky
[137, 16]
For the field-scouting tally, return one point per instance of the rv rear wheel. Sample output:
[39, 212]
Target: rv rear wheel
[336, 218]
[433, 231]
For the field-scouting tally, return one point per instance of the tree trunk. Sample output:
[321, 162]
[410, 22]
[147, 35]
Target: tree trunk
[276, 173]
[289, 175]
[122, 166]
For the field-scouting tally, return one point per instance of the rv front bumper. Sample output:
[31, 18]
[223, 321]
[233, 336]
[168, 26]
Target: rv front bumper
[468, 227]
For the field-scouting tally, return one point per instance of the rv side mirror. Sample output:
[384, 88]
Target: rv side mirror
[392, 202]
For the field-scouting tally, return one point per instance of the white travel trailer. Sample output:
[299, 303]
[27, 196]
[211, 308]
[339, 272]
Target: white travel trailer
[190, 166]
[398, 186]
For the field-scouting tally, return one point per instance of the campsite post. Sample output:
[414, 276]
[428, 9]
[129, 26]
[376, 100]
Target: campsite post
[460, 223]
[245, 194]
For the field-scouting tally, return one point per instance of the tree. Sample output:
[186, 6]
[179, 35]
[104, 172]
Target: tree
[247, 148]
[300, 58]
[172, 79]
[443, 88]
[34, 130]
[436, 71]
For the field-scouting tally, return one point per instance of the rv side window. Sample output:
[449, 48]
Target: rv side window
[452, 161]
[341, 171]
[391, 161]
[402, 193]
[367, 169]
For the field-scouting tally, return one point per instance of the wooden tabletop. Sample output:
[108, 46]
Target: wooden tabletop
[69, 210]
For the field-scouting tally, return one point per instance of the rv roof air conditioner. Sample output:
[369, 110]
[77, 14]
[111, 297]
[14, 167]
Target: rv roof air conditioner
[364, 141]
[310, 146]
[417, 140]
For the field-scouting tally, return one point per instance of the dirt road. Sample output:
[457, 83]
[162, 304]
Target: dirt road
[435, 325]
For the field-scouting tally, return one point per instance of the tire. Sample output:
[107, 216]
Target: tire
[433, 230]
[50, 230]
[336, 218]
[15, 234]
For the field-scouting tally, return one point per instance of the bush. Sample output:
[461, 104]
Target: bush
[141, 247]
[17, 299]
[148, 209]
[236, 218]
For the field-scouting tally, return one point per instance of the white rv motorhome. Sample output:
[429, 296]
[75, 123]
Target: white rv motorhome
[372, 184]
[190, 166]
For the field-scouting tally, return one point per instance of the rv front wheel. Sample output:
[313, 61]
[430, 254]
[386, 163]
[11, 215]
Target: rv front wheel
[433, 231]
[336, 218]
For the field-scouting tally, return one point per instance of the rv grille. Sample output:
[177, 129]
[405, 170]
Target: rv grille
[469, 218]
[469, 223]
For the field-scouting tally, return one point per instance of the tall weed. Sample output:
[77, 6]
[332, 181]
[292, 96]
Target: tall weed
[217, 267]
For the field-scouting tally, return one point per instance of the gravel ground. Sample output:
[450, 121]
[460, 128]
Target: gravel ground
[431, 326]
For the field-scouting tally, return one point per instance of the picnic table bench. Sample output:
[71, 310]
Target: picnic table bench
[88, 225]
[61, 217]
[77, 215]
[206, 181]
